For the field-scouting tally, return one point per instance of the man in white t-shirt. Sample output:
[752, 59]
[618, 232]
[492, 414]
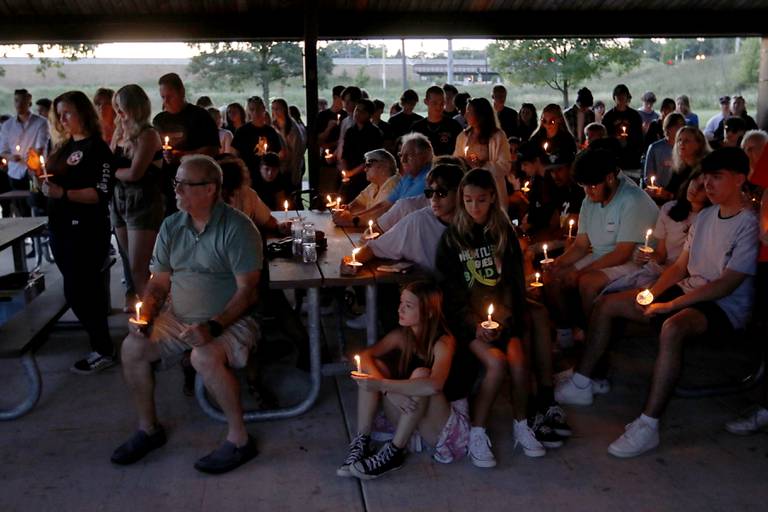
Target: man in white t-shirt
[415, 236]
[707, 291]
[614, 218]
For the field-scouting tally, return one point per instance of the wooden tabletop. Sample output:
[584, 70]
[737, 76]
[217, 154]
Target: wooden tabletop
[18, 228]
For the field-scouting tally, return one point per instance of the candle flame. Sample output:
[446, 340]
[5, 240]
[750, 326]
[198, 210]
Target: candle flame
[525, 185]
[328, 197]
[285, 205]
[490, 310]
[343, 174]
[42, 160]
[571, 222]
[355, 251]
[546, 145]
[370, 224]
[357, 363]
[18, 148]
[138, 310]
[545, 247]
[649, 232]
[537, 275]
[167, 139]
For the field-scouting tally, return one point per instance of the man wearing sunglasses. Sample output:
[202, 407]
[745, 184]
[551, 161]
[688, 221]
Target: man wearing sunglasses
[208, 257]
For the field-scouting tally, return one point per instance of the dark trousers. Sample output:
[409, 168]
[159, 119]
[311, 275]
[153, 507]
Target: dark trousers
[23, 184]
[81, 252]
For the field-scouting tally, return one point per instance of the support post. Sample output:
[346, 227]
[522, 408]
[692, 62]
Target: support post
[311, 89]
[762, 86]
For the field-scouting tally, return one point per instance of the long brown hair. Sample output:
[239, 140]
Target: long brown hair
[704, 149]
[498, 225]
[431, 320]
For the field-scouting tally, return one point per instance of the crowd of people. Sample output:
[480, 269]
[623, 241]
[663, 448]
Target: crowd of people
[536, 233]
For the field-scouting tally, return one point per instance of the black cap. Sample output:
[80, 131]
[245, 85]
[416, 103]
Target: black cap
[729, 159]
[529, 151]
[735, 124]
[593, 165]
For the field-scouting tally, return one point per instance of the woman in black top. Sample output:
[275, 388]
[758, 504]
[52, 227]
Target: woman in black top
[137, 206]
[78, 217]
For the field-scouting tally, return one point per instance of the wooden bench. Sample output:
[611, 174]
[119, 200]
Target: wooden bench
[27, 331]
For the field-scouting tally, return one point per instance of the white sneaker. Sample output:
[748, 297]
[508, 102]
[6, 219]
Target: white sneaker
[359, 322]
[480, 448]
[525, 437]
[567, 392]
[751, 423]
[638, 438]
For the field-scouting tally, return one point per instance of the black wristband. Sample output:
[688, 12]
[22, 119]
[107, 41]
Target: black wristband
[355, 221]
[215, 328]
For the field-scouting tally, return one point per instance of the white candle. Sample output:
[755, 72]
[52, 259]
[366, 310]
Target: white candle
[138, 311]
[537, 276]
[653, 181]
[354, 255]
[327, 153]
[570, 228]
[623, 131]
[285, 205]
[525, 187]
[266, 147]
[338, 202]
[370, 227]
[466, 149]
[546, 146]
[644, 298]
[490, 313]
[648, 237]
[330, 201]
[545, 252]
[338, 118]
[167, 140]
[344, 176]
[357, 363]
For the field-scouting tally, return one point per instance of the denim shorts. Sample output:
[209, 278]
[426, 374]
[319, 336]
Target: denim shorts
[137, 207]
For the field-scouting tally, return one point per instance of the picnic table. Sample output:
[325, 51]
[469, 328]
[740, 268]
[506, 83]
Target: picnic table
[13, 231]
[293, 273]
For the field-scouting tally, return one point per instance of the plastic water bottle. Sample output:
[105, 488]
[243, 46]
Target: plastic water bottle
[308, 243]
[297, 229]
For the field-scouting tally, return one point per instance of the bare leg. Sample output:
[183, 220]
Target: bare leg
[556, 292]
[519, 372]
[210, 361]
[675, 330]
[495, 365]
[368, 403]
[137, 354]
[140, 246]
[605, 311]
[590, 286]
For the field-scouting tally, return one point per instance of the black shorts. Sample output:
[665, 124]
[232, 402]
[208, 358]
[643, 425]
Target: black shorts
[718, 324]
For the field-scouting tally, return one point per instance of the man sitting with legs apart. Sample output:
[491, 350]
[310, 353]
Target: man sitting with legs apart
[707, 291]
[208, 258]
[614, 218]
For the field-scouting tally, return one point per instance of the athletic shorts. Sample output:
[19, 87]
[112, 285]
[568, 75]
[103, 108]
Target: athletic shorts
[612, 273]
[718, 324]
[237, 339]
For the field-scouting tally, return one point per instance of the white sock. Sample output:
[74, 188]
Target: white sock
[581, 381]
[651, 422]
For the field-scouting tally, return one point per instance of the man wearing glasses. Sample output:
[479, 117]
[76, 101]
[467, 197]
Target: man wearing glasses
[208, 257]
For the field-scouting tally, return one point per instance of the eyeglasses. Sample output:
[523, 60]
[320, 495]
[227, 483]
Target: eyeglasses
[441, 193]
[548, 121]
[371, 163]
[180, 183]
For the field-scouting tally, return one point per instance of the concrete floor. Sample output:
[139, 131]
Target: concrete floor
[57, 456]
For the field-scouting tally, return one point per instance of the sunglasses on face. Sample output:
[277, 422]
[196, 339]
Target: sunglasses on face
[180, 183]
[440, 193]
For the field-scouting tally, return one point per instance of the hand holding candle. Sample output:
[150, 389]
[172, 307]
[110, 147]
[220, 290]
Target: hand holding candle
[537, 283]
[546, 259]
[369, 233]
[358, 372]
[570, 228]
[166, 145]
[344, 177]
[137, 320]
[526, 187]
[490, 324]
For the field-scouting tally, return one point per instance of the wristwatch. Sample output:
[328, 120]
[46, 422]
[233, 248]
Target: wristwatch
[215, 328]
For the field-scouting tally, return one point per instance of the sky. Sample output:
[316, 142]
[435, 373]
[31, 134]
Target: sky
[181, 50]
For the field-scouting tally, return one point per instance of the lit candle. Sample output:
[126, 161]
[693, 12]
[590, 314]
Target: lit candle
[623, 131]
[137, 319]
[338, 202]
[354, 262]
[357, 363]
[370, 227]
[525, 187]
[546, 259]
[327, 154]
[653, 181]
[5, 162]
[570, 228]
[490, 324]
[537, 283]
[466, 150]
[344, 178]
[338, 118]
[266, 147]
[18, 148]
[546, 146]
[329, 204]
[44, 174]
[644, 298]
[646, 248]
[285, 205]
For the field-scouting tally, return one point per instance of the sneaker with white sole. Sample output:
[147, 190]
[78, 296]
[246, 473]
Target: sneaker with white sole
[525, 437]
[554, 418]
[359, 449]
[638, 438]
[544, 434]
[360, 322]
[754, 421]
[480, 448]
[389, 458]
[567, 392]
[93, 363]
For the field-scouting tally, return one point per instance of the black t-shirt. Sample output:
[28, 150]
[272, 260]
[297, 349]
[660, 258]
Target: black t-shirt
[358, 141]
[191, 129]
[450, 114]
[86, 163]
[562, 143]
[627, 128]
[385, 129]
[325, 117]
[272, 193]
[508, 121]
[442, 135]
[249, 142]
[401, 123]
[569, 198]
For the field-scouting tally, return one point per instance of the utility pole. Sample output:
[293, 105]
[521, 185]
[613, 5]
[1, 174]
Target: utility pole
[384, 67]
[450, 61]
[405, 66]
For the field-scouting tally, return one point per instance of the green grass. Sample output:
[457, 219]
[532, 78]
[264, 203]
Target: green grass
[702, 81]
